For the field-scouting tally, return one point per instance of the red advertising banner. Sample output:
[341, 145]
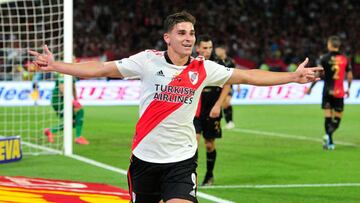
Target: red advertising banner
[30, 190]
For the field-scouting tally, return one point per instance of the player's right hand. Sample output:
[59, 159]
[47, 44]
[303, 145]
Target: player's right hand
[309, 74]
[215, 111]
[44, 61]
[307, 91]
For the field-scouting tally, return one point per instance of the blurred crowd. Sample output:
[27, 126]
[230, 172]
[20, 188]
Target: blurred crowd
[276, 33]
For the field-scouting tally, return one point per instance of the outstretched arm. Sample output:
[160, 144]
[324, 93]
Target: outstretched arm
[45, 62]
[266, 78]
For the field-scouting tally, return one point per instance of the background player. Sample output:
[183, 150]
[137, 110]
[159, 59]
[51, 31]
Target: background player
[223, 59]
[208, 118]
[57, 102]
[335, 65]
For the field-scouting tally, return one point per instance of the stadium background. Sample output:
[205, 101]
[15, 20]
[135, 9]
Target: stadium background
[274, 32]
[274, 154]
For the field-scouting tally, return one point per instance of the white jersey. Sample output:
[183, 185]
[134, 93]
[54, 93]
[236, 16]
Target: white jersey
[165, 132]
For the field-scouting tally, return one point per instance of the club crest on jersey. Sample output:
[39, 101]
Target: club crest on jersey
[194, 77]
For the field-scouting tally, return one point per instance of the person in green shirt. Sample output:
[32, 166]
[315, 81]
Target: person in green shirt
[57, 102]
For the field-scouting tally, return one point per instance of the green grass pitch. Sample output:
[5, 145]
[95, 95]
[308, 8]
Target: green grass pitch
[277, 145]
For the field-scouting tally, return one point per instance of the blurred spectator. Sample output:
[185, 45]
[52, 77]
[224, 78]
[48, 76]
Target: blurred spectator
[257, 31]
[263, 31]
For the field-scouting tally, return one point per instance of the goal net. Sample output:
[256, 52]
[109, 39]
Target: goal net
[29, 106]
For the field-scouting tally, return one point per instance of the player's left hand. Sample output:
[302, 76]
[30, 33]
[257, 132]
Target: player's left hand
[309, 74]
[43, 61]
[215, 111]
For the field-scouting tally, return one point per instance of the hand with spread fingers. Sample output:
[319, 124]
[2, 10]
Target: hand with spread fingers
[43, 62]
[309, 74]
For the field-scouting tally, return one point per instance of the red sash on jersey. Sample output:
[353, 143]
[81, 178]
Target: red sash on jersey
[198, 110]
[157, 111]
[341, 61]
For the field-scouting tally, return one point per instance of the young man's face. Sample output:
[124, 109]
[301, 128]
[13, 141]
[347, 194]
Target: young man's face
[204, 49]
[181, 38]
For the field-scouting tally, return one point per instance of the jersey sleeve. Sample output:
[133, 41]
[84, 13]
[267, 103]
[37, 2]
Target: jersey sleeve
[217, 74]
[132, 66]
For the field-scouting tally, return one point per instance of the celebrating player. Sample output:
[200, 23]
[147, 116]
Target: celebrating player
[163, 163]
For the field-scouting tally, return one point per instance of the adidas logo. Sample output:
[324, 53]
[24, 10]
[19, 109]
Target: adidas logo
[193, 193]
[160, 73]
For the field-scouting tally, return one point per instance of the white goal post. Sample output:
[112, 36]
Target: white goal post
[26, 105]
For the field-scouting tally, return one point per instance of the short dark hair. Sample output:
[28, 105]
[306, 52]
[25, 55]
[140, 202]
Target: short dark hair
[222, 45]
[335, 41]
[202, 38]
[176, 18]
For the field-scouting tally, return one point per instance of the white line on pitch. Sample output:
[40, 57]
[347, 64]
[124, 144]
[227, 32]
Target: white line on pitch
[212, 198]
[283, 135]
[284, 186]
[98, 164]
[47, 149]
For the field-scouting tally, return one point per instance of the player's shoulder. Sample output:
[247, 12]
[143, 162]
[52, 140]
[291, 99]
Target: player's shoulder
[211, 63]
[197, 59]
[148, 54]
[325, 57]
[154, 53]
[328, 54]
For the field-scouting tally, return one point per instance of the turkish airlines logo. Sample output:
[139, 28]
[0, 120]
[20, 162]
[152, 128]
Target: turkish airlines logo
[194, 77]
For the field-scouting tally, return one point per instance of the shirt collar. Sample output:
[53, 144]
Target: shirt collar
[167, 58]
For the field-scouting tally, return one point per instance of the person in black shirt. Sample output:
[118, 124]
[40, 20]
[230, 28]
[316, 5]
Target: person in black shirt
[228, 110]
[336, 66]
[208, 117]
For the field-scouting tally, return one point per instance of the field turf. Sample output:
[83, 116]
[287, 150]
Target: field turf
[273, 155]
